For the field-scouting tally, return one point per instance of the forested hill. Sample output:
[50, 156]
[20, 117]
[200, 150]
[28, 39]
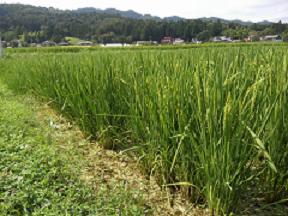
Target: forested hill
[39, 24]
[135, 15]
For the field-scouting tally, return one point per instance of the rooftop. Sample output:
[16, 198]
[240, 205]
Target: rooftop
[271, 36]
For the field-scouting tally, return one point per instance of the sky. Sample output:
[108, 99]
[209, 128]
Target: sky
[246, 10]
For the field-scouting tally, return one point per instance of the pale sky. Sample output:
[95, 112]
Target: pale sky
[252, 10]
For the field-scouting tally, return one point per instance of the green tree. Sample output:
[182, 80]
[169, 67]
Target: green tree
[285, 37]
[9, 36]
[203, 36]
[187, 32]
[17, 31]
[216, 28]
[56, 38]
[255, 38]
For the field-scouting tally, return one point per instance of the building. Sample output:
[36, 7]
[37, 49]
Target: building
[249, 38]
[167, 40]
[115, 45]
[82, 43]
[146, 42]
[45, 43]
[274, 38]
[178, 41]
[195, 41]
[48, 43]
[63, 44]
[222, 39]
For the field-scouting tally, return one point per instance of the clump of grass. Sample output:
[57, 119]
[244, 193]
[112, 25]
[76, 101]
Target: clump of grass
[197, 118]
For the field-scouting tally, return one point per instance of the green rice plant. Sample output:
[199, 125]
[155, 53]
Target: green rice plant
[196, 118]
[274, 136]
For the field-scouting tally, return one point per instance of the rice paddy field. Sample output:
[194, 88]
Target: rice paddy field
[209, 122]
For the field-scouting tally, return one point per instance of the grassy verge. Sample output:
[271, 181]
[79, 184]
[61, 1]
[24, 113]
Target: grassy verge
[38, 178]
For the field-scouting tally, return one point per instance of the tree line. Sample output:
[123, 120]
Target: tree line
[38, 24]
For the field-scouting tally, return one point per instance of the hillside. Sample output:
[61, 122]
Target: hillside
[135, 15]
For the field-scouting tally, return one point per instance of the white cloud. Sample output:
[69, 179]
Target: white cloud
[253, 10]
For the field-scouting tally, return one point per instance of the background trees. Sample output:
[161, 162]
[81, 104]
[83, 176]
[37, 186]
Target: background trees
[39, 24]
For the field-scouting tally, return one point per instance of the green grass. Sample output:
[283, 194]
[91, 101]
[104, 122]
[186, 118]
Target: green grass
[198, 118]
[38, 178]
[73, 40]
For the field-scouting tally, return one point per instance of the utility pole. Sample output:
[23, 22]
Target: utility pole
[251, 37]
[2, 52]
[150, 40]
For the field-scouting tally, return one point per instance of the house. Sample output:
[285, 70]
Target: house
[222, 39]
[236, 41]
[178, 41]
[3, 43]
[45, 43]
[82, 43]
[195, 41]
[115, 45]
[30, 45]
[274, 38]
[63, 44]
[249, 38]
[39, 45]
[146, 42]
[167, 40]
[48, 43]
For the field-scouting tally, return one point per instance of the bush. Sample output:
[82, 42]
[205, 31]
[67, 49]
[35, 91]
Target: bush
[255, 38]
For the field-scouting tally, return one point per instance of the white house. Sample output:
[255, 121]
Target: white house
[194, 41]
[115, 45]
[273, 38]
[222, 39]
[178, 41]
[152, 42]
